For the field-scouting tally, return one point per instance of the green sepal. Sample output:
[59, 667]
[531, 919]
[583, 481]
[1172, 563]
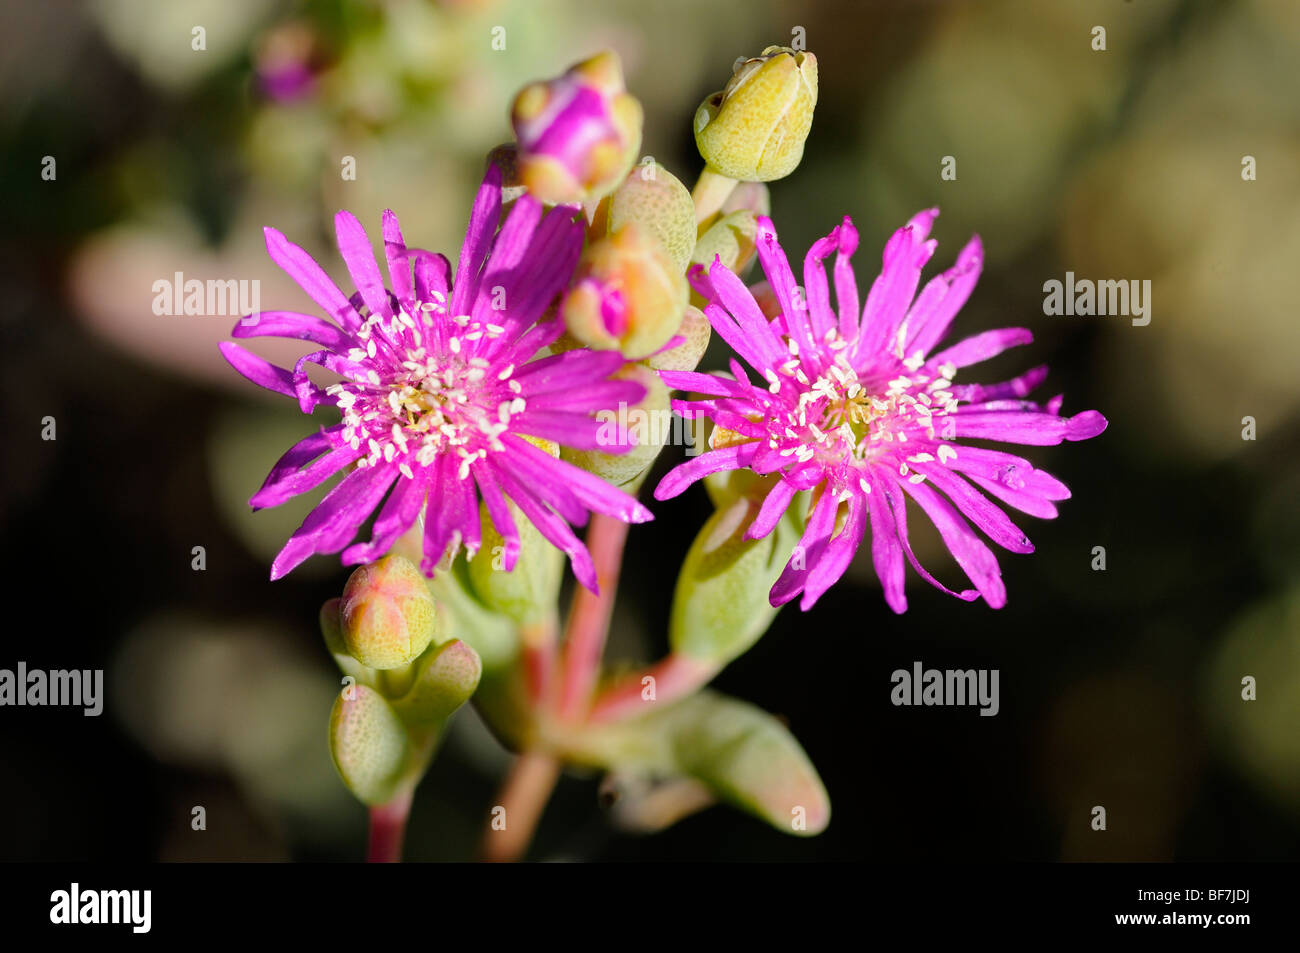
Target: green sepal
[655, 199]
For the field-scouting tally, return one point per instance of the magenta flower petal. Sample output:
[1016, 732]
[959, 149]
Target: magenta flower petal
[437, 395]
[859, 408]
[291, 324]
[302, 268]
[357, 254]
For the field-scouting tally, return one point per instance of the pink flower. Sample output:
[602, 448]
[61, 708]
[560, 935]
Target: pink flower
[862, 410]
[441, 391]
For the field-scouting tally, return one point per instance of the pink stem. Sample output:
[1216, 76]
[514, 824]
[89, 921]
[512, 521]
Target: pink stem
[523, 798]
[675, 677]
[387, 830]
[588, 626]
[539, 651]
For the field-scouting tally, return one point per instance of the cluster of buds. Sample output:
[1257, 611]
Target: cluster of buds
[576, 137]
[403, 678]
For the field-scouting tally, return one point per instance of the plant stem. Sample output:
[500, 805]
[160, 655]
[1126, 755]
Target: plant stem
[527, 788]
[539, 651]
[675, 677]
[588, 625]
[711, 190]
[387, 830]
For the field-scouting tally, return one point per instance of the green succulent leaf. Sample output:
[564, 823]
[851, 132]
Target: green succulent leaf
[445, 677]
[527, 593]
[720, 606]
[369, 744]
[745, 756]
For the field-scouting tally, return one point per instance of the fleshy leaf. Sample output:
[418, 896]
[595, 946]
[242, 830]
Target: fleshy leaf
[720, 606]
[445, 678]
[526, 592]
[369, 744]
[745, 756]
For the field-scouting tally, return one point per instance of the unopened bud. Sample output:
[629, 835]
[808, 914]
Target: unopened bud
[578, 134]
[628, 294]
[754, 129]
[695, 332]
[731, 238]
[388, 616]
[645, 426]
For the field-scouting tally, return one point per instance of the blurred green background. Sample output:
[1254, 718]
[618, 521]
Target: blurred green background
[1119, 688]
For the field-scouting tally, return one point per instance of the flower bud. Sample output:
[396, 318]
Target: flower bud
[387, 614]
[578, 134]
[695, 331]
[445, 678]
[646, 425]
[653, 197]
[627, 296]
[754, 129]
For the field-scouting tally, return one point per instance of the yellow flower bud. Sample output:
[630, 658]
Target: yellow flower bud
[387, 614]
[754, 129]
[730, 238]
[696, 330]
[628, 295]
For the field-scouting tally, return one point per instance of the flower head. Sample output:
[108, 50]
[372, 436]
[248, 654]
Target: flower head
[443, 394]
[864, 411]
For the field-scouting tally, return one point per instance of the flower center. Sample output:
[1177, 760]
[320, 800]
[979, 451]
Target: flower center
[841, 417]
[415, 405]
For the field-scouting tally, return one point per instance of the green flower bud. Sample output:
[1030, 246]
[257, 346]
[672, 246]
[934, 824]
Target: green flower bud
[388, 616]
[369, 744]
[578, 134]
[652, 197]
[754, 129]
[686, 356]
[647, 424]
[628, 294]
[331, 626]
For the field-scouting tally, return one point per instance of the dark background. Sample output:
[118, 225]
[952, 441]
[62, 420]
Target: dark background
[1118, 688]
